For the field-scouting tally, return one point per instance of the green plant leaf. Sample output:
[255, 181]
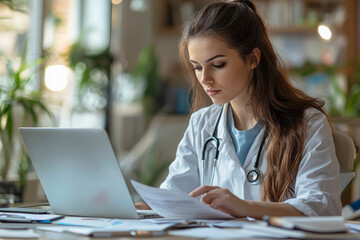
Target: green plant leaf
[29, 108]
[43, 107]
[9, 125]
[4, 111]
[338, 90]
[10, 71]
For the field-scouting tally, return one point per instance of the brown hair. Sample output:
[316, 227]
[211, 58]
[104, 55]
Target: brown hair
[273, 98]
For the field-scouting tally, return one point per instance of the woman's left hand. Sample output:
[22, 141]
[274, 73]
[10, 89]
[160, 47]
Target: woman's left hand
[221, 199]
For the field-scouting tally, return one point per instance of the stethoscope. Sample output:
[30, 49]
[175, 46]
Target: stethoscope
[253, 176]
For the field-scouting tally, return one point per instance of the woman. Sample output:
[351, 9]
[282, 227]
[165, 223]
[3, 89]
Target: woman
[276, 151]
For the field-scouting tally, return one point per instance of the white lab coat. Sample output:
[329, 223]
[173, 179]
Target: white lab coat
[316, 187]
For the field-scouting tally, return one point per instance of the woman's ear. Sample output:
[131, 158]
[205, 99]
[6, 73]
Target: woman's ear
[254, 58]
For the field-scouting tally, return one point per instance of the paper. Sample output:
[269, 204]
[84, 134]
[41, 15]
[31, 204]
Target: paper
[329, 224]
[106, 223]
[237, 223]
[97, 232]
[33, 217]
[54, 228]
[177, 205]
[105, 227]
[28, 233]
[353, 226]
[257, 232]
[214, 233]
[276, 232]
[122, 228]
[88, 222]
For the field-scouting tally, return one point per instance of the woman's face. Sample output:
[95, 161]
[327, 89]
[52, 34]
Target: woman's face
[222, 72]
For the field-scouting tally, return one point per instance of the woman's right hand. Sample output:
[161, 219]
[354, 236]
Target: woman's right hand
[142, 206]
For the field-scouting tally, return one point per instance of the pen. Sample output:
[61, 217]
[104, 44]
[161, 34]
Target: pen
[128, 234]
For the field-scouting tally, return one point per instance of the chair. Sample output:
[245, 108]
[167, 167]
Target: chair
[345, 153]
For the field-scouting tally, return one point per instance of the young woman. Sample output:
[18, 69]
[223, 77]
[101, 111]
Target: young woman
[263, 147]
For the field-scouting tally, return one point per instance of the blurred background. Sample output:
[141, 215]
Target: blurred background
[114, 65]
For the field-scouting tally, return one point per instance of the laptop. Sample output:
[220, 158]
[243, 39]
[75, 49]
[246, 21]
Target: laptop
[79, 172]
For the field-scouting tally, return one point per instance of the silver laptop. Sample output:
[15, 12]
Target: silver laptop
[79, 172]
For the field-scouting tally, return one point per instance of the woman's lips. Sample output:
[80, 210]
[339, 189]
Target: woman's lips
[212, 93]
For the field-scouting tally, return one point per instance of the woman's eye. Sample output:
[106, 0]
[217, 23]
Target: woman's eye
[219, 65]
[196, 68]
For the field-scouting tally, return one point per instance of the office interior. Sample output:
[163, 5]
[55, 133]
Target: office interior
[114, 65]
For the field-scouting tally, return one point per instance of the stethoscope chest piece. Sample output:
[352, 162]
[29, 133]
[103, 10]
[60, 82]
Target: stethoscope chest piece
[254, 176]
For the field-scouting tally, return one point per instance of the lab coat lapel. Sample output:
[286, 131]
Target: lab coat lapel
[229, 172]
[210, 123]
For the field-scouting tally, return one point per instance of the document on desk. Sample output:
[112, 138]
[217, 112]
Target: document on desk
[24, 233]
[177, 205]
[324, 224]
[214, 233]
[119, 227]
[277, 232]
[258, 231]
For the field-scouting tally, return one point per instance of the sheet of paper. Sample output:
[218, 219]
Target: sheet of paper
[54, 228]
[87, 222]
[236, 223]
[123, 227]
[106, 232]
[28, 233]
[33, 217]
[323, 224]
[113, 224]
[214, 233]
[260, 230]
[177, 205]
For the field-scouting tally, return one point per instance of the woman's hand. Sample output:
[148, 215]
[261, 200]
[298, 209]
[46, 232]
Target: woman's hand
[142, 206]
[221, 199]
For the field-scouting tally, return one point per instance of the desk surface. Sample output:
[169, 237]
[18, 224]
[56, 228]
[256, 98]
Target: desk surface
[69, 236]
[47, 235]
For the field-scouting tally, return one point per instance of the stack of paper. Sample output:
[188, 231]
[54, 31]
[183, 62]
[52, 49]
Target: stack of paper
[103, 227]
[177, 205]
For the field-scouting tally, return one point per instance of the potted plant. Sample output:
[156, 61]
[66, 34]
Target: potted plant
[19, 106]
[146, 70]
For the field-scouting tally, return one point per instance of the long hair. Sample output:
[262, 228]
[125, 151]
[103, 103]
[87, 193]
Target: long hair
[273, 98]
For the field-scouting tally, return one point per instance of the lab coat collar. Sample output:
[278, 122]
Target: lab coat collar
[222, 127]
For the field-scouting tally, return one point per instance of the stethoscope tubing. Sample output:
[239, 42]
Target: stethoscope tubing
[213, 138]
[253, 176]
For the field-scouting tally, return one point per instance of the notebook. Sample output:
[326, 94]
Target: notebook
[79, 172]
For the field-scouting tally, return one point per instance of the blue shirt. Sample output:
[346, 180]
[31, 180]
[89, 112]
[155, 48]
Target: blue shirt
[242, 139]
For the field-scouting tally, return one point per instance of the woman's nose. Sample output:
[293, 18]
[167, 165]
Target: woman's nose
[205, 77]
